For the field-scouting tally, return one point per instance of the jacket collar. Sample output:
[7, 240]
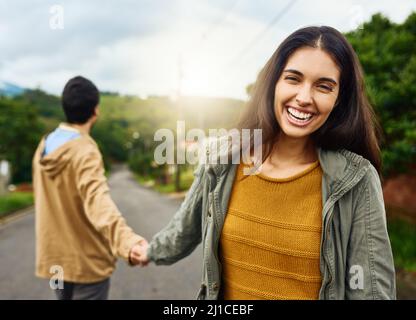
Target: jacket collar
[339, 167]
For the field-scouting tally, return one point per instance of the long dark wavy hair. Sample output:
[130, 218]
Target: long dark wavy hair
[352, 124]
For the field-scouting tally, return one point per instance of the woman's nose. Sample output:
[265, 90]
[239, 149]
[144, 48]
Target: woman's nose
[304, 96]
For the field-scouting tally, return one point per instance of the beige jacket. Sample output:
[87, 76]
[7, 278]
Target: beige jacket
[78, 226]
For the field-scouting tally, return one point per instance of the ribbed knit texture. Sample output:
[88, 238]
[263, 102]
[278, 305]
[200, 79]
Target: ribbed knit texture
[270, 242]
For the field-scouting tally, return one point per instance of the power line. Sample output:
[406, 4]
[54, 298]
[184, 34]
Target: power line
[218, 22]
[257, 38]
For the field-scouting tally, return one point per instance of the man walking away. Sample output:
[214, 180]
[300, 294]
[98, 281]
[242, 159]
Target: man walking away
[79, 230]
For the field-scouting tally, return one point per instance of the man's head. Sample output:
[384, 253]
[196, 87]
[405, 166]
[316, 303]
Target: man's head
[80, 100]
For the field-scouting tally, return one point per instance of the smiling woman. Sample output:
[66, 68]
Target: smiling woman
[312, 88]
[318, 129]
[306, 91]
[311, 224]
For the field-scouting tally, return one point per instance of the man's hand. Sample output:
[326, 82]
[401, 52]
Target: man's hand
[138, 254]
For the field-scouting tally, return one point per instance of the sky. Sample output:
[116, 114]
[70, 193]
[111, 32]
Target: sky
[162, 47]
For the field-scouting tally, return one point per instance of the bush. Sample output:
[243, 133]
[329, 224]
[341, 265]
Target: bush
[15, 201]
[403, 241]
[20, 132]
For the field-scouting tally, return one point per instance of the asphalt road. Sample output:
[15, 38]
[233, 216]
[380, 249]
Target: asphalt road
[145, 211]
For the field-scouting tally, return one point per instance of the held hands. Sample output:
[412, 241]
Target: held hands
[138, 254]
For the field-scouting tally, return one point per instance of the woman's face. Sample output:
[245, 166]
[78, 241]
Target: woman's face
[306, 92]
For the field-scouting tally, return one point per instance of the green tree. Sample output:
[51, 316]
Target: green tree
[113, 139]
[387, 52]
[20, 132]
[47, 105]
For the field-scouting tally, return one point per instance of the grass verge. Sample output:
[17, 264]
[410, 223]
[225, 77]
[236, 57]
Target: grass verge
[14, 201]
[403, 241]
[187, 178]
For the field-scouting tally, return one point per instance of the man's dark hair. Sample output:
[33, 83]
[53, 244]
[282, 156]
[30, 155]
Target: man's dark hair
[79, 99]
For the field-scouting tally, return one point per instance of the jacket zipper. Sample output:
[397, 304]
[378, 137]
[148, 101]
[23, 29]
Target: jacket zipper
[211, 207]
[331, 276]
[217, 238]
[329, 219]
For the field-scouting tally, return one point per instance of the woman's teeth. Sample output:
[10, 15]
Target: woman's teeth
[299, 115]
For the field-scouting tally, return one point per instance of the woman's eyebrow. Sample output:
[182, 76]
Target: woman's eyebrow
[301, 75]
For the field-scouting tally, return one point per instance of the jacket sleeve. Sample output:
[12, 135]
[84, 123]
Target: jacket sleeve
[370, 266]
[99, 208]
[183, 233]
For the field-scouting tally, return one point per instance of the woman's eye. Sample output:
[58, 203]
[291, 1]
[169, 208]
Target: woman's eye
[291, 78]
[326, 88]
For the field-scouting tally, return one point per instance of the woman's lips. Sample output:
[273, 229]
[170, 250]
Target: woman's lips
[296, 122]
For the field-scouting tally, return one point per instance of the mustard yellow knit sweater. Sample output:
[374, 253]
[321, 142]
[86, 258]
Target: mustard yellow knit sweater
[270, 243]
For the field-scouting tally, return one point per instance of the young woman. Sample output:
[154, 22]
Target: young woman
[311, 224]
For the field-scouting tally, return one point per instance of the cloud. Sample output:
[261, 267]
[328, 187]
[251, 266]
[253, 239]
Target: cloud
[87, 24]
[213, 48]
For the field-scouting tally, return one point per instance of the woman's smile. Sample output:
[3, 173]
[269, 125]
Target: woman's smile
[299, 118]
